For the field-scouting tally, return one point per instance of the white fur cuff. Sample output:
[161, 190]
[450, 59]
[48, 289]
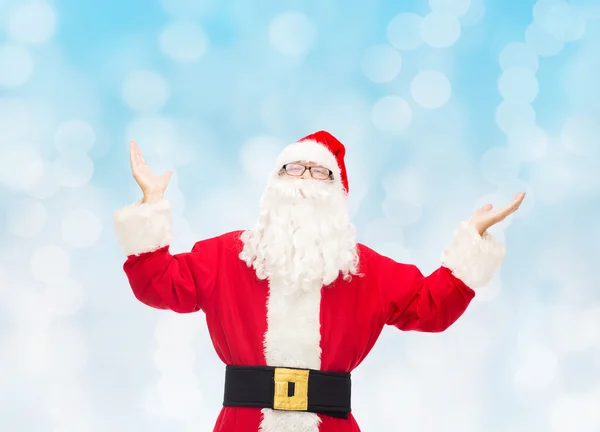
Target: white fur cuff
[143, 227]
[472, 258]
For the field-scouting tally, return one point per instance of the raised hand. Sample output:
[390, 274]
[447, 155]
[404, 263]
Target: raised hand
[153, 186]
[484, 217]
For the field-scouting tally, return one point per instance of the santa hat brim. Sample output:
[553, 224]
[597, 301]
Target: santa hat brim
[310, 151]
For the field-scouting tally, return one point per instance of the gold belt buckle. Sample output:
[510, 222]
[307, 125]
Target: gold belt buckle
[291, 389]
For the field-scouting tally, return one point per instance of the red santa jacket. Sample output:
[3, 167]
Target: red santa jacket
[331, 330]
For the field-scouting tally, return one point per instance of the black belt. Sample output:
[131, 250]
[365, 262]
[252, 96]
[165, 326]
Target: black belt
[288, 389]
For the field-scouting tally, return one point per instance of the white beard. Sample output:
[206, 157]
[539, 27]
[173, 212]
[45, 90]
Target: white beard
[303, 235]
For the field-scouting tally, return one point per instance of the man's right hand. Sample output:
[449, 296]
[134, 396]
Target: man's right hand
[152, 185]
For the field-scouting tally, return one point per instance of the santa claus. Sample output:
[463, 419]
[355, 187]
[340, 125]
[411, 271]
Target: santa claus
[295, 304]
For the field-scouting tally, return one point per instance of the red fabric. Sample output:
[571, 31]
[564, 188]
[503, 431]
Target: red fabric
[212, 278]
[335, 147]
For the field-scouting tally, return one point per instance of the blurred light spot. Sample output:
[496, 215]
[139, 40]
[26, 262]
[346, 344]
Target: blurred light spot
[392, 114]
[259, 154]
[74, 136]
[64, 298]
[512, 117]
[183, 41]
[585, 175]
[21, 166]
[475, 13]
[518, 55]
[185, 154]
[273, 110]
[574, 412]
[292, 33]
[499, 165]
[26, 218]
[551, 179]
[542, 41]
[186, 8]
[404, 213]
[542, 7]
[73, 169]
[383, 230]
[27, 306]
[29, 345]
[439, 30]
[46, 184]
[16, 119]
[577, 330]
[528, 144]
[407, 410]
[68, 350]
[32, 22]
[3, 281]
[81, 228]
[453, 8]
[581, 135]
[180, 358]
[443, 60]
[449, 125]
[179, 396]
[16, 66]
[50, 264]
[145, 90]
[564, 23]
[381, 63]
[430, 89]
[405, 185]
[404, 31]
[590, 9]
[518, 85]
[65, 402]
[537, 368]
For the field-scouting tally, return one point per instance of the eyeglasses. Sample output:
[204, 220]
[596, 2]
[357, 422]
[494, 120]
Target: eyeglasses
[316, 172]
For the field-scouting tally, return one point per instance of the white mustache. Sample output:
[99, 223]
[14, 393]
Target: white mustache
[306, 189]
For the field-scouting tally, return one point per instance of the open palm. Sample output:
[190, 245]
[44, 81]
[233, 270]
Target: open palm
[153, 186]
[484, 217]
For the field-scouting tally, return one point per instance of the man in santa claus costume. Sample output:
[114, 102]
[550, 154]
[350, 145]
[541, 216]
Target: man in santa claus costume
[295, 304]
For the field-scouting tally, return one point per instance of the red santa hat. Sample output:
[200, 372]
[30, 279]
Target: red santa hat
[321, 148]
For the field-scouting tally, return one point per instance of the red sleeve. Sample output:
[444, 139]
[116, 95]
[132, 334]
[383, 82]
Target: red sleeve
[182, 282]
[412, 301]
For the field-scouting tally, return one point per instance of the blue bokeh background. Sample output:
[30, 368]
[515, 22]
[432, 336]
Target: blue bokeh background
[443, 106]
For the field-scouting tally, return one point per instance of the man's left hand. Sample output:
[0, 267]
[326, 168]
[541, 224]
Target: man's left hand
[484, 217]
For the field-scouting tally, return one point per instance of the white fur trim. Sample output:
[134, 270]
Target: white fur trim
[143, 227]
[309, 151]
[292, 339]
[473, 258]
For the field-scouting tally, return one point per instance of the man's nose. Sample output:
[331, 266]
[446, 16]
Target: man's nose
[306, 174]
